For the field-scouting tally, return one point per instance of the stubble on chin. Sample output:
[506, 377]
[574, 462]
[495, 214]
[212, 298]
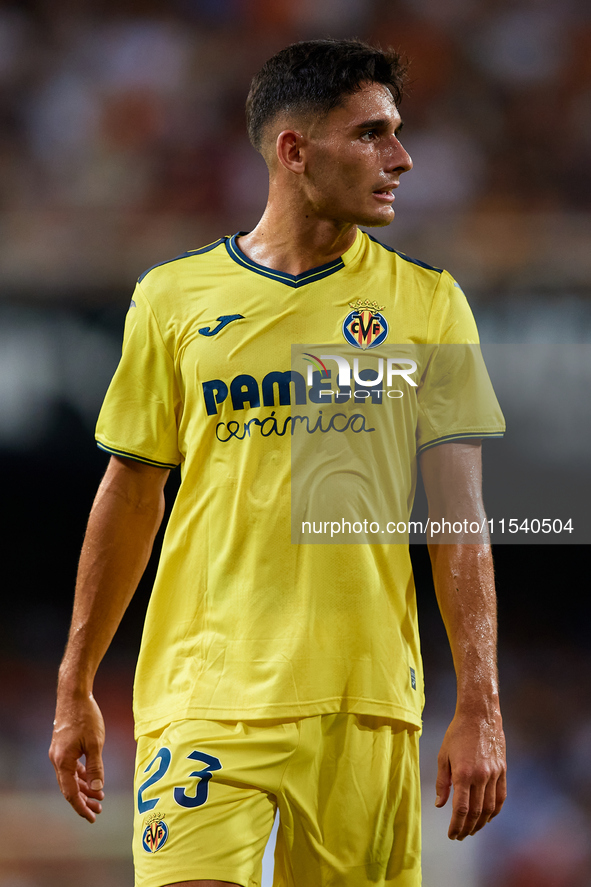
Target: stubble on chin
[375, 221]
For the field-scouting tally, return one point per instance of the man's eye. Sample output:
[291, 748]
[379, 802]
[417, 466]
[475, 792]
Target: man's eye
[369, 135]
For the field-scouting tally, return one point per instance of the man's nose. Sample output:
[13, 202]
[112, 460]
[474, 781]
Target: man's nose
[400, 159]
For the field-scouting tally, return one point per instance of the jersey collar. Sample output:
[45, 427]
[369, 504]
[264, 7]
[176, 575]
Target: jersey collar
[293, 280]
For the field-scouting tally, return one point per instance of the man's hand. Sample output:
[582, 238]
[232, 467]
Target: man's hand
[79, 731]
[472, 759]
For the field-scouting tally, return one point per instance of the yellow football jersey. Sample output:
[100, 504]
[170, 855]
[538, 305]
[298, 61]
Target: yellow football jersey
[242, 622]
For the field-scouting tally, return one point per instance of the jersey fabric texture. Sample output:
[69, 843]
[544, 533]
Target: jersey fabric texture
[242, 624]
[346, 786]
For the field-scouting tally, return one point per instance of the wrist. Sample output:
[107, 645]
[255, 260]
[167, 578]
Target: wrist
[75, 682]
[478, 685]
[485, 707]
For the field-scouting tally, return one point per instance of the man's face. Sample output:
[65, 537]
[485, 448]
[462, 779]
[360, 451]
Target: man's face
[354, 159]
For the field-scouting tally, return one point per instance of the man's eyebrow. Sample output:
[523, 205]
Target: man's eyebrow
[379, 123]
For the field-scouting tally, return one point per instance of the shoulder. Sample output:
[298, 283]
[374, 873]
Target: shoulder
[432, 292]
[429, 278]
[187, 261]
[170, 291]
[381, 252]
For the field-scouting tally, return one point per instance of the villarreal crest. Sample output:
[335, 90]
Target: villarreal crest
[365, 327]
[155, 833]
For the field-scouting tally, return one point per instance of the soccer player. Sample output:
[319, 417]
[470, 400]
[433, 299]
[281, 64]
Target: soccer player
[275, 675]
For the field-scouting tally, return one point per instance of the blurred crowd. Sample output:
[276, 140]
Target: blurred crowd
[116, 114]
[123, 143]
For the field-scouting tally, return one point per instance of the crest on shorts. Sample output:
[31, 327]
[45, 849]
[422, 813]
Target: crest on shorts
[155, 833]
[365, 326]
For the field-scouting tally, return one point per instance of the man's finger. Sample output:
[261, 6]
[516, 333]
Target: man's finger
[443, 782]
[70, 789]
[95, 774]
[89, 792]
[488, 806]
[84, 785]
[461, 808]
[92, 804]
[477, 794]
[500, 793]
[87, 808]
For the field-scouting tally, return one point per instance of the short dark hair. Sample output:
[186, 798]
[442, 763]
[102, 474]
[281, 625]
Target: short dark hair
[317, 75]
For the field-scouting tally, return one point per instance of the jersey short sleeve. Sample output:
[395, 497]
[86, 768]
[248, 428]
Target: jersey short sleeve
[141, 411]
[456, 397]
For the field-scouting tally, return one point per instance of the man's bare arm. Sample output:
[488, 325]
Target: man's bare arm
[123, 522]
[472, 756]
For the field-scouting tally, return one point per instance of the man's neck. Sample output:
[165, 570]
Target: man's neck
[295, 241]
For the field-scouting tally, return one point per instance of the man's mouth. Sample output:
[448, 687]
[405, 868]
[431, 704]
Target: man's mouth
[386, 194]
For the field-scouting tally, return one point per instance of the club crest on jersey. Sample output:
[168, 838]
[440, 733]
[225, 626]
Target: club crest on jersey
[365, 326]
[155, 833]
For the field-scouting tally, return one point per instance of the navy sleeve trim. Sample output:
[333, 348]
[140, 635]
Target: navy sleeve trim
[135, 457]
[192, 252]
[462, 435]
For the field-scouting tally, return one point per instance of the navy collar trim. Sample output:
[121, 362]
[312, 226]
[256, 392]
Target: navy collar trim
[293, 280]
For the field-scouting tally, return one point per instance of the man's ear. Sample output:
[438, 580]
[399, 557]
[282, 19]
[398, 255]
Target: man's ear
[289, 149]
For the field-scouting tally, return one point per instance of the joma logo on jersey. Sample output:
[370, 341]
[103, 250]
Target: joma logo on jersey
[365, 327]
[223, 321]
[155, 833]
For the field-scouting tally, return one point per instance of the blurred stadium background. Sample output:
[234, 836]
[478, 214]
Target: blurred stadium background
[122, 144]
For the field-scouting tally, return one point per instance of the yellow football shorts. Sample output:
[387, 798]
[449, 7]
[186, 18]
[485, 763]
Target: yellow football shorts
[346, 786]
